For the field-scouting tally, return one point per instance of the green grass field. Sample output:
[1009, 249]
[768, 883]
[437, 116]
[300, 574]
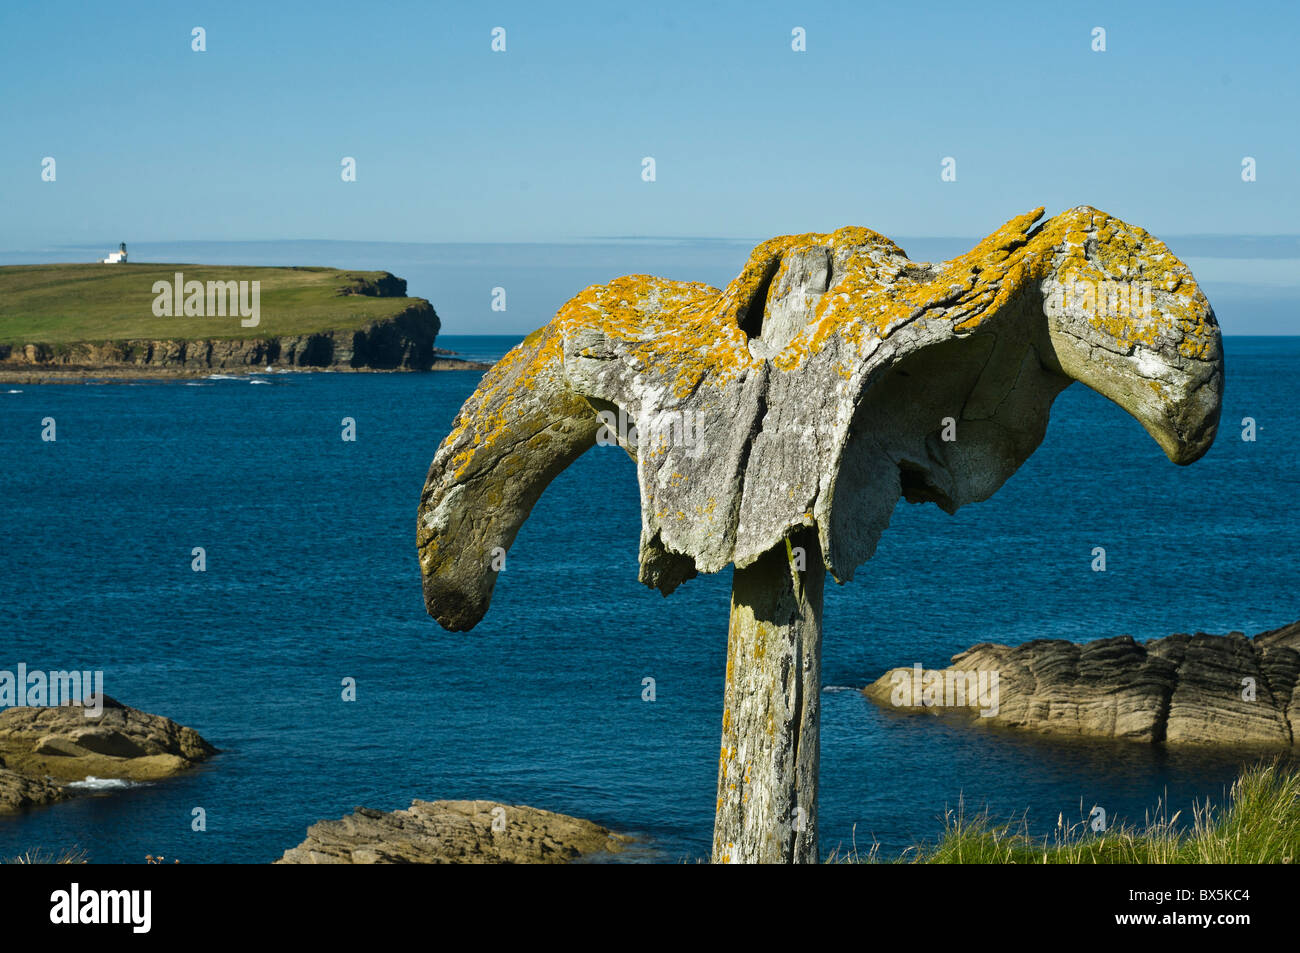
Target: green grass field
[64, 304]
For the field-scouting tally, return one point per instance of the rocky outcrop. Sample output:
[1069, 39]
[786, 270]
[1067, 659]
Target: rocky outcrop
[1182, 689]
[453, 832]
[402, 342]
[376, 285]
[19, 792]
[44, 748]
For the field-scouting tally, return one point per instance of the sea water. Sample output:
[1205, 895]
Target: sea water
[311, 578]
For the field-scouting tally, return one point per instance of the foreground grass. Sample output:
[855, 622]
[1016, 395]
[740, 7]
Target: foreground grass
[64, 304]
[1259, 825]
[73, 856]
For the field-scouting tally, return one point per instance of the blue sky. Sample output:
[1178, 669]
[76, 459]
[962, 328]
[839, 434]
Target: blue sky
[154, 142]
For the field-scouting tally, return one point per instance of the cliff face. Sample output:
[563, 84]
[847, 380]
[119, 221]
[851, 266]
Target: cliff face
[402, 342]
[1181, 689]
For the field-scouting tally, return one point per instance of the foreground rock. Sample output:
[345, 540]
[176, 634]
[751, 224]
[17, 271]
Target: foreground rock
[1181, 689]
[453, 832]
[19, 792]
[41, 749]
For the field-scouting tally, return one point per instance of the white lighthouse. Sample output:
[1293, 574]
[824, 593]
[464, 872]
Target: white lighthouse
[117, 256]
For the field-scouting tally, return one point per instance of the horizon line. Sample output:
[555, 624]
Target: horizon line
[599, 238]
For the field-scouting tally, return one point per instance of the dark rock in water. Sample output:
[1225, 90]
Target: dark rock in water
[453, 832]
[1181, 689]
[41, 748]
[18, 792]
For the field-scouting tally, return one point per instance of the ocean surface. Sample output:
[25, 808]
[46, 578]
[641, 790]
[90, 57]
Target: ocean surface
[312, 578]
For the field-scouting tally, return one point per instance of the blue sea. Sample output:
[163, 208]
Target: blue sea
[312, 578]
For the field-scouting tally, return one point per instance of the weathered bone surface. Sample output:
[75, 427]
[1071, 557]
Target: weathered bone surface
[771, 711]
[813, 390]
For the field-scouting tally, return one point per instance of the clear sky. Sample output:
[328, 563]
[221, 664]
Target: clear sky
[545, 141]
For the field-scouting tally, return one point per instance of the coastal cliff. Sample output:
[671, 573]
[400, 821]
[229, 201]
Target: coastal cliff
[402, 342]
[1179, 690]
[179, 320]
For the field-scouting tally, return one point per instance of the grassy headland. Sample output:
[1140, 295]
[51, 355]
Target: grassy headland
[141, 320]
[63, 304]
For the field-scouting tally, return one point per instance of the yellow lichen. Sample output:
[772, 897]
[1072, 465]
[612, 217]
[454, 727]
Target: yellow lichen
[687, 334]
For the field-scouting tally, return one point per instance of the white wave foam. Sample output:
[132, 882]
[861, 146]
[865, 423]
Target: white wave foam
[93, 783]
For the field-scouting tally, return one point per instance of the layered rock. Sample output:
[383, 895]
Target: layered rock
[19, 792]
[43, 748]
[1182, 689]
[453, 832]
[404, 341]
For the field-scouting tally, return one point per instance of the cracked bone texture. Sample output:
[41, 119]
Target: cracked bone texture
[815, 389]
